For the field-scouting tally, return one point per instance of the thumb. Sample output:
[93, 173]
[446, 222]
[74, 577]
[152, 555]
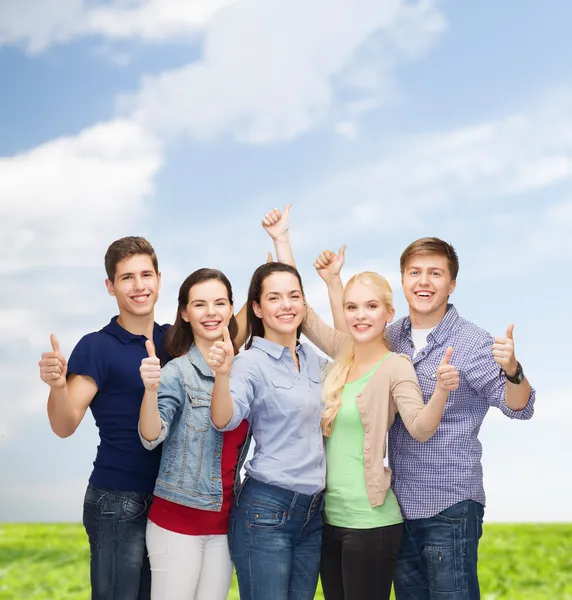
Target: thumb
[226, 336]
[286, 210]
[509, 331]
[269, 259]
[447, 356]
[342, 252]
[150, 348]
[55, 342]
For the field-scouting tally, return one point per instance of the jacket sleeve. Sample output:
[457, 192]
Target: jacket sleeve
[330, 341]
[408, 397]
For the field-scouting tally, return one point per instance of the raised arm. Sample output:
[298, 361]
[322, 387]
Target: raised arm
[421, 420]
[519, 391]
[277, 226]
[69, 398]
[149, 417]
[329, 266]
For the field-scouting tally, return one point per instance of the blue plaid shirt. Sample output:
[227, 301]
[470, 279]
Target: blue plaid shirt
[428, 477]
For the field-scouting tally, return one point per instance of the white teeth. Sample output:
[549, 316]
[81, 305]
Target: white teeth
[286, 317]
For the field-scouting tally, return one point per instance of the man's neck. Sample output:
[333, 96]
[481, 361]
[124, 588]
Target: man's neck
[429, 321]
[137, 325]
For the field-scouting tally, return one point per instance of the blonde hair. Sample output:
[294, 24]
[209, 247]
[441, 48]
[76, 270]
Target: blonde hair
[338, 371]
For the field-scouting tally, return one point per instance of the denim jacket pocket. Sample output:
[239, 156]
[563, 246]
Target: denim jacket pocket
[198, 410]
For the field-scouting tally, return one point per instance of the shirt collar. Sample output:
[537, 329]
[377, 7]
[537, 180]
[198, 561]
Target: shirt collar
[198, 361]
[124, 336]
[442, 329]
[272, 348]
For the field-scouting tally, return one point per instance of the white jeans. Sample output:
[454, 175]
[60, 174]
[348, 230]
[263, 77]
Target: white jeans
[188, 567]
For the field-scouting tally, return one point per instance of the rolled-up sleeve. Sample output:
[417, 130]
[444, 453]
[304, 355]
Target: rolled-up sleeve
[243, 383]
[171, 398]
[485, 377]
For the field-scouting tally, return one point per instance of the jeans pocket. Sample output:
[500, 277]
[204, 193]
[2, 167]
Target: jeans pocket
[265, 519]
[133, 509]
[92, 520]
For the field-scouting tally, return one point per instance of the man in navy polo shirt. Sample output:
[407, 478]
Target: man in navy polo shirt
[103, 374]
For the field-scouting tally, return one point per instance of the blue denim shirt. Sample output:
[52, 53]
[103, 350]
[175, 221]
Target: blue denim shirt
[284, 409]
[190, 470]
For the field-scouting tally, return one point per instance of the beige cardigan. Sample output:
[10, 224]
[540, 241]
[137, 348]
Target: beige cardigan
[393, 388]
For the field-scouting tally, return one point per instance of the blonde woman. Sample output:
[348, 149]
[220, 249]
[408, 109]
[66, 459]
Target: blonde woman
[365, 388]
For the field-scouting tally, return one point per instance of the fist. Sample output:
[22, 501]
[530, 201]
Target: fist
[447, 374]
[503, 352]
[221, 355]
[53, 365]
[150, 368]
[277, 224]
[329, 265]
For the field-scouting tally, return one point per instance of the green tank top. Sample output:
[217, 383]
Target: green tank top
[346, 501]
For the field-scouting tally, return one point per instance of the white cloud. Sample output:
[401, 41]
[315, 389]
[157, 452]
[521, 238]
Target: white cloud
[269, 70]
[38, 24]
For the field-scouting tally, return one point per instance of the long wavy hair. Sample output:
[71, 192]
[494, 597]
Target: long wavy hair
[254, 325]
[338, 371]
[180, 336]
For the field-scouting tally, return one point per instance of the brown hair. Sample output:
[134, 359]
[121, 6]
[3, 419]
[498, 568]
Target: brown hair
[254, 325]
[180, 336]
[431, 245]
[124, 248]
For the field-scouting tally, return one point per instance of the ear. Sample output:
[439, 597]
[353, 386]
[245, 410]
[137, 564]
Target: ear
[109, 286]
[256, 309]
[184, 315]
[159, 280]
[452, 287]
[390, 315]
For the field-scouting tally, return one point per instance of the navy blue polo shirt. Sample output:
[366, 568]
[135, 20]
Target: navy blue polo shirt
[112, 357]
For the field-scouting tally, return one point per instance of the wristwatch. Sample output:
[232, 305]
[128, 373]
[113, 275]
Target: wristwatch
[517, 377]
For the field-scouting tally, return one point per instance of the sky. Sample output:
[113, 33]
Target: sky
[381, 121]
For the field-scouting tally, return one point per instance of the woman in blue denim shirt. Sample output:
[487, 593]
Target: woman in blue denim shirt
[275, 529]
[188, 520]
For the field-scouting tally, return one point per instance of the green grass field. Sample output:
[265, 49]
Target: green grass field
[517, 562]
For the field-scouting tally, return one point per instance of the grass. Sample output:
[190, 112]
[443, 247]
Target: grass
[517, 562]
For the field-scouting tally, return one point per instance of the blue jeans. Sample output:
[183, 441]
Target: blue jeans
[115, 523]
[275, 540]
[438, 558]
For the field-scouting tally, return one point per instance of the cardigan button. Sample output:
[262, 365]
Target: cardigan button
[363, 412]
[367, 465]
[374, 501]
[367, 447]
[366, 429]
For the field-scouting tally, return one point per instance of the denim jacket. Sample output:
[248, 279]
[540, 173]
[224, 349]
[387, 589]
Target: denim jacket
[190, 471]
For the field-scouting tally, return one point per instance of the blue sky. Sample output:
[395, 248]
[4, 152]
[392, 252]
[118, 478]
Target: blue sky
[380, 121]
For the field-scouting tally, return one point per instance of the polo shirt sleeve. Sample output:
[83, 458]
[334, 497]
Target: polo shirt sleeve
[484, 376]
[89, 357]
[243, 382]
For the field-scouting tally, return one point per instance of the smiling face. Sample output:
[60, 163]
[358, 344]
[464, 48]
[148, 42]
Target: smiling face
[281, 306]
[427, 285]
[208, 310]
[366, 312]
[135, 285]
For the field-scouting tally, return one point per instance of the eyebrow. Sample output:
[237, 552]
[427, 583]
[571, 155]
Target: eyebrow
[365, 302]
[278, 293]
[201, 300]
[428, 268]
[142, 272]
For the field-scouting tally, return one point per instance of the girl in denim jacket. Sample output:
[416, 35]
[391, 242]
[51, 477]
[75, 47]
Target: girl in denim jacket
[188, 520]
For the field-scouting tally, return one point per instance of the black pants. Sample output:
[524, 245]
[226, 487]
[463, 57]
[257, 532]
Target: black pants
[358, 564]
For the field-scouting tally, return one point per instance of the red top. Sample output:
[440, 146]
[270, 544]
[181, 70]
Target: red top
[195, 521]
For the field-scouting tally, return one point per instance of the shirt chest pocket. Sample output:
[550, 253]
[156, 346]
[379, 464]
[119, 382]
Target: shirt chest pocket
[198, 410]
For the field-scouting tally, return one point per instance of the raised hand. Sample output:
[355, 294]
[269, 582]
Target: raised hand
[221, 355]
[277, 224]
[53, 365]
[150, 368]
[329, 265]
[447, 374]
[503, 352]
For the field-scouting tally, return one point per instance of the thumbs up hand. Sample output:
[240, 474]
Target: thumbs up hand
[329, 265]
[150, 368]
[53, 365]
[277, 224]
[503, 352]
[221, 355]
[447, 374]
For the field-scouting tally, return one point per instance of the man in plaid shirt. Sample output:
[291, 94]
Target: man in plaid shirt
[439, 483]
